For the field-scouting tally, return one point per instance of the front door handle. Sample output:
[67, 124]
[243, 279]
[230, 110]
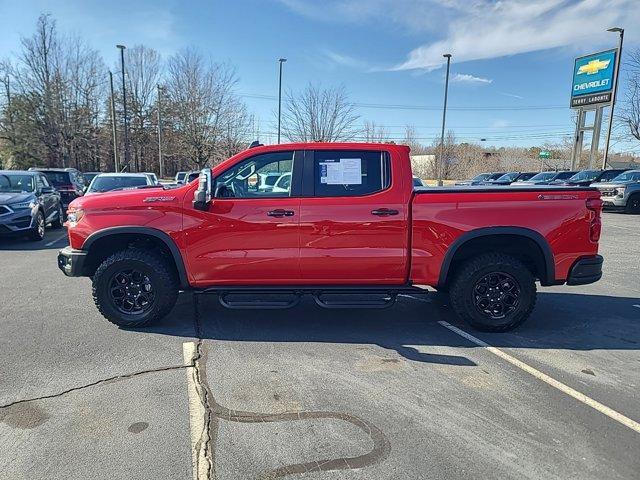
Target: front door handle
[280, 213]
[384, 212]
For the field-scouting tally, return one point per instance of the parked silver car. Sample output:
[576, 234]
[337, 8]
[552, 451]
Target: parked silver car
[622, 192]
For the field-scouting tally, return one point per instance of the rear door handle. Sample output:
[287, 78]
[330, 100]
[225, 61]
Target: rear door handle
[280, 213]
[384, 212]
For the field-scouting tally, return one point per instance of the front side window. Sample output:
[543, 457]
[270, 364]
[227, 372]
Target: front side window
[348, 173]
[257, 177]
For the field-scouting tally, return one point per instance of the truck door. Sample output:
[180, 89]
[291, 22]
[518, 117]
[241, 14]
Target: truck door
[250, 233]
[353, 219]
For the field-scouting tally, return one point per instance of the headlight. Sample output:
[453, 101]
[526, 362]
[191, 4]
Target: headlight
[74, 216]
[620, 191]
[29, 204]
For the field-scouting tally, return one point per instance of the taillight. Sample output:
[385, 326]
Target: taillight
[594, 205]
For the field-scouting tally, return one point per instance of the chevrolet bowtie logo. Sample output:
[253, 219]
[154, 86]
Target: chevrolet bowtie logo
[594, 66]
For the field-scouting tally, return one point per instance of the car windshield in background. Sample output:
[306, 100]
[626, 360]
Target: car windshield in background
[16, 183]
[481, 178]
[542, 176]
[508, 177]
[106, 184]
[58, 178]
[89, 176]
[585, 176]
[627, 177]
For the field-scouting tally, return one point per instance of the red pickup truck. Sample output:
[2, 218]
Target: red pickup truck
[340, 219]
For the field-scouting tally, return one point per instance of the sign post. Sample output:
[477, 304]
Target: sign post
[591, 89]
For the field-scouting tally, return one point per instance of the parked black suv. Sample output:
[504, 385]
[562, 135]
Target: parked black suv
[68, 181]
[584, 178]
[509, 178]
[28, 202]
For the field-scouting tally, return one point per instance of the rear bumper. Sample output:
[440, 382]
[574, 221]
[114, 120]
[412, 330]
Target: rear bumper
[71, 261]
[586, 270]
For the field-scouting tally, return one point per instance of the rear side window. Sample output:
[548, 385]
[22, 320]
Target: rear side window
[348, 173]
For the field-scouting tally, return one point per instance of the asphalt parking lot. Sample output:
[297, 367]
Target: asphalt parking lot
[364, 394]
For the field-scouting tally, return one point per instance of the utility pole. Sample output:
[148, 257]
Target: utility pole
[444, 116]
[114, 130]
[158, 106]
[281, 61]
[614, 93]
[124, 104]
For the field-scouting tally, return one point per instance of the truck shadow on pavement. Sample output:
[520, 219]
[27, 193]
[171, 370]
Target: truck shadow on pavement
[560, 321]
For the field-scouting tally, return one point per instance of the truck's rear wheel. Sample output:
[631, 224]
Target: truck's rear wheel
[493, 292]
[133, 288]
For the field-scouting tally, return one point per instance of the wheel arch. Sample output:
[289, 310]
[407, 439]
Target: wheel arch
[116, 237]
[514, 240]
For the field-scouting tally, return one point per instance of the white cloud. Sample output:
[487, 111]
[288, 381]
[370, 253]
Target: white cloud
[512, 95]
[346, 60]
[483, 29]
[466, 78]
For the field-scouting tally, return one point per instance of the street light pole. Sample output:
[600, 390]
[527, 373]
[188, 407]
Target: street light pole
[444, 116]
[113, 125]
[124, 105]
[281, 61]
[158, 105]
[614, 93]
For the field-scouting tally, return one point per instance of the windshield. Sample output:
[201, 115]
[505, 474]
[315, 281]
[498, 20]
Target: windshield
[481, 178]
[627, 177]
[58, 178]
[16, 183]
[89, 176]
[585, 176]
[542, 176]
[106, 184]
[508, 177]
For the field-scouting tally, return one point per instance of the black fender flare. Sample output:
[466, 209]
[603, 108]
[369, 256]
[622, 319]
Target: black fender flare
[153, 232]
[489, 231]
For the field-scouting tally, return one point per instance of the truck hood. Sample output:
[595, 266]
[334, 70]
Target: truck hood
[7, 198]
[610, 185]
[127, 198]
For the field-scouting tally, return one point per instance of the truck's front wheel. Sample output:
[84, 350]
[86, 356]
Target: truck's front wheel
[493, 292]
[133, 288]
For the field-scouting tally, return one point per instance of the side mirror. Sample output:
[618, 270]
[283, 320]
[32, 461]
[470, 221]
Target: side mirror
[202, 196]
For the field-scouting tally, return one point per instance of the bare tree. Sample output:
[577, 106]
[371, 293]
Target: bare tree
[629, 114]
[320, 115]
[373, 133]
[144, 73]
[204, 105]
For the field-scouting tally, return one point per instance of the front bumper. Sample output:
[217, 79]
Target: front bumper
[16, 222]
[71, 261]
[613, 202]
[586, 270]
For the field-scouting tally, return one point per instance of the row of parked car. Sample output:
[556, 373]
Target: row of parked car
[31, 200]
[620, 188]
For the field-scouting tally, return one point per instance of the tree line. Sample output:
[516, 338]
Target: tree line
[57, 110]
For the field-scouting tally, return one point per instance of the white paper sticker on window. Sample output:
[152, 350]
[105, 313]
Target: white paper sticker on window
[346, 171]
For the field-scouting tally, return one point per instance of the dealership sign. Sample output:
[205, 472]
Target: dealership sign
[593, 77]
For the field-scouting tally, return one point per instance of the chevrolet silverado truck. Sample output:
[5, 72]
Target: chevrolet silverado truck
[350, 224]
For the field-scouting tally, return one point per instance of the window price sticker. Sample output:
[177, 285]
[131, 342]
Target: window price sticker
[346, 171]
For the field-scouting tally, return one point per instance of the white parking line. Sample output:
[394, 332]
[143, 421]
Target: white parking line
[581, 397]
[197, 416]
[55, 241]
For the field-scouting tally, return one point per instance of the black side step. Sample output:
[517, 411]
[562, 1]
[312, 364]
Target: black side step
[325, 296]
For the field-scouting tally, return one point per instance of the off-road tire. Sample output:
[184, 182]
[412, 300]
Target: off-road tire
[57, 223]
[633, 204]
[36, 234]
[463, 297]
[160, 274]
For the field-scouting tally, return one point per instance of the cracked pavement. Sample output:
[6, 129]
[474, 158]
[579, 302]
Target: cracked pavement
[310, 393]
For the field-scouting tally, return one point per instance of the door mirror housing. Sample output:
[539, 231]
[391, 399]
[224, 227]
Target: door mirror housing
[202, 195]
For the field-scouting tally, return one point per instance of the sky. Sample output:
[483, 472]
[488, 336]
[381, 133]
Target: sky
[511, 64]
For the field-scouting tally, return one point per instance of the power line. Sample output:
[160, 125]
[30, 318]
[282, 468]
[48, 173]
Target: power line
[426, 107]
